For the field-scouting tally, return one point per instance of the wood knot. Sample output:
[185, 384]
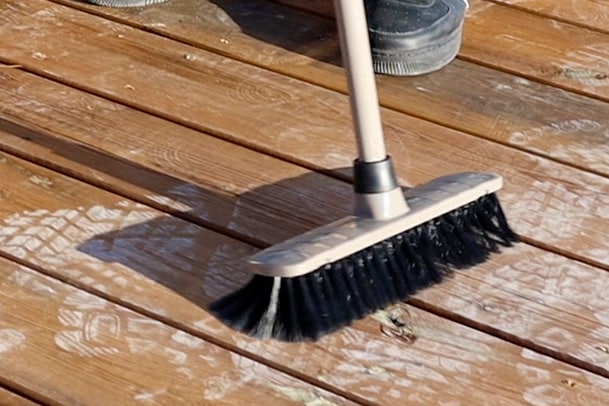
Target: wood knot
[396, 322]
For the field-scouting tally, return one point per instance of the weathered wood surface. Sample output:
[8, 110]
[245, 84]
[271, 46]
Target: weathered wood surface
[465, 96]
[10, 399]
[586, 13]
[197, 195]
[323, 7]
[223, 161]
[136, 256]
[68, 347]
[548, 50]
[541, 39]
[182, 160]
[152, 74]
[269, 118]
[520, 40]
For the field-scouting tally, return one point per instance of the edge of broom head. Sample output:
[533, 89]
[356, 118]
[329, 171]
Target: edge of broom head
[329, 243]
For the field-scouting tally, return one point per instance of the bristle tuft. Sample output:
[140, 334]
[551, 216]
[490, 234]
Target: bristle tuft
[310, 306]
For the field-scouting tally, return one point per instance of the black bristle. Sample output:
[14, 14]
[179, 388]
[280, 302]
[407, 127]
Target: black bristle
[246, 305]
[333, 296]
[352, 294]
[344, 306]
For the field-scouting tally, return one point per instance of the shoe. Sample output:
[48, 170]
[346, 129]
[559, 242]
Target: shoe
[124, 3]
[414, 37]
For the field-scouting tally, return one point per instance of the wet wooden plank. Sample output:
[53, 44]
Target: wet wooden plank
[534, 298]
[10, 399]
[491, 104]
[167, 267]
[515, 40]
[489, 297]
[183, 171]
[587, 13]
[550, 51]
[103, 354]
[552, 204]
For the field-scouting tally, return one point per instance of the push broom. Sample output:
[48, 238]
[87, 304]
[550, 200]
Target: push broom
[393, 245]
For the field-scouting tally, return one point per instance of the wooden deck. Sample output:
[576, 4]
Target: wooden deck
[144, 152]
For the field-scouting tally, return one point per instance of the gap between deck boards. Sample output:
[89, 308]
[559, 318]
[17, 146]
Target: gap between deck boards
[442, 98]
[180, 115]
[95, 178]
[433, 335]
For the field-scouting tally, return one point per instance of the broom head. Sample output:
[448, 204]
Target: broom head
[324, 279]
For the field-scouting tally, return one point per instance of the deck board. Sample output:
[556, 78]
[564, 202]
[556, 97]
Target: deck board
[269, 119]
[146, 151]
[98, 346]
[567, 50]
[11, 399]
[234, 188]
[548, 50]
[586, 13]
[491, 104]
[110, 251]
[525, 318]
[528, 43]
[238, 210]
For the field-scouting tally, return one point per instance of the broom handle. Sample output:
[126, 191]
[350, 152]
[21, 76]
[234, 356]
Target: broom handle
[357, 58]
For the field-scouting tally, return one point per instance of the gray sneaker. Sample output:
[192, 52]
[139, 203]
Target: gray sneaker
[413, 37]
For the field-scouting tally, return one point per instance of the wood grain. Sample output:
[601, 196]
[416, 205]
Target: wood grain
[196, 200]
[515, 40]
[68, 347]
[129, 253]
[554, 205]
[10, 399]
[586, 13]
[165, 267]
[536, 47]
[488, 103]
[186, 172]
[34, 92]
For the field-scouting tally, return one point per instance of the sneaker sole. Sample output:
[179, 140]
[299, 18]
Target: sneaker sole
[412, 62]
